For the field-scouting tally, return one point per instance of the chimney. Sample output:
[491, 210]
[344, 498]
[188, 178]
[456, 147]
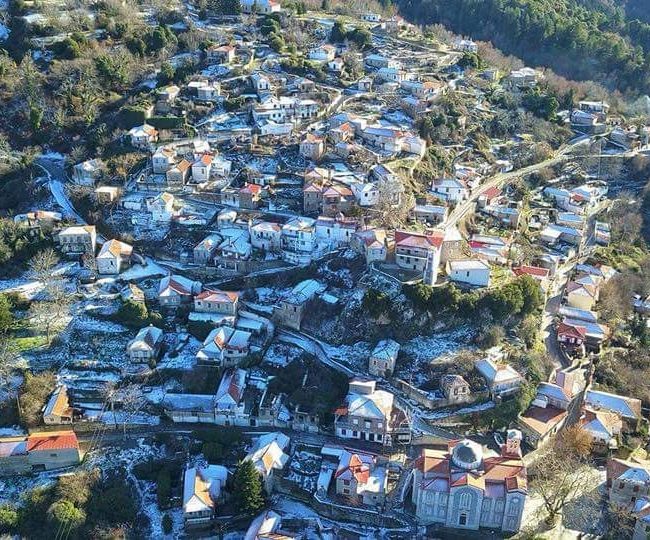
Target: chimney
[513, 443]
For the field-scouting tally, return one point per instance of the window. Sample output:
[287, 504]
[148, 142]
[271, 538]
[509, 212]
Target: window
[355, 433]
[346, 482]
[462, 519]
[344, 432]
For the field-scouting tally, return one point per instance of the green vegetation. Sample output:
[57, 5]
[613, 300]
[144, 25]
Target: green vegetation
[520, 296]
[581, 40]
[34, 393]
[361, 37]
[247, 489]
[84, 502]
[136, 315]
[313, 387]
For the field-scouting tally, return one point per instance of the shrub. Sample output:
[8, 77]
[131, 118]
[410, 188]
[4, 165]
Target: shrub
[163, 488]
[213, 451]
[167, 524]
[8, 518]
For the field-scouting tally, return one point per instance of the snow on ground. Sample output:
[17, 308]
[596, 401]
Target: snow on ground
[432, 348]
[4, 32]
[12, 487]
[183, 358]
[355, 355]
[583, 513]
[138, 272]
[89, 324]
[122, 417]
[11, 431]
[439, 415]
[281, 354]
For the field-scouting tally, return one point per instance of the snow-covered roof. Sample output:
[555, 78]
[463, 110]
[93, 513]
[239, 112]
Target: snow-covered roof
[268, 453]
[202, 486]
[625, 406]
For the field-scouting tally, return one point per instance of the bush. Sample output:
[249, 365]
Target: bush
[65, 514]
[376, 303]
[199, 329]
[136, 315]
[492, 337]
[167, 524]
[213, 451]
[163, 488]
[8, 518]
[35, 391]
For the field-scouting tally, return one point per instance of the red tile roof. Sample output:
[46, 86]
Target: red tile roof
[58, 440]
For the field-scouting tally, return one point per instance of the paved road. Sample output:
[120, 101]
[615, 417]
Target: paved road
[501, 178]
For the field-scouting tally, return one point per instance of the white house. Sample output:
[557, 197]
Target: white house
[383, 358]
[323, 53]
[469, 271]
[163, 159]
[143, 136]
[225, 347]
[202, 488]
[268, 454]
[266, 236]
[500, 377]
[260, 7]
[161, 207]
[202, 168]
[113, 257]
[450, 189]
[87, 172]
[146, 345]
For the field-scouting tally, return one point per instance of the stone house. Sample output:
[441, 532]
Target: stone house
[382, 359]
[146, 345]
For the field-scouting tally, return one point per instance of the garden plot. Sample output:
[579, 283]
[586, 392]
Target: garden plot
[418, 353]
[281, 354]
[182, 349]
[304, 469]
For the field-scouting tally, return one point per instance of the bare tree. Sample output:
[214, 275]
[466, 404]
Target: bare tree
[42, 265]
[558, 477]
[133, 401]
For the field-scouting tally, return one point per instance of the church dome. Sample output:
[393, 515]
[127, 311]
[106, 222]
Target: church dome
[467, 455]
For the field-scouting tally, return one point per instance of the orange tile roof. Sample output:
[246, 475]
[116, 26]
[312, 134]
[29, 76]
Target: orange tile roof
[56, 440]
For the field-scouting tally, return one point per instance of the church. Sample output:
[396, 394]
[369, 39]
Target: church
[463, 489]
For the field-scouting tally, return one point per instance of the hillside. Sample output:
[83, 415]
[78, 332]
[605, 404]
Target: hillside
[579, 39]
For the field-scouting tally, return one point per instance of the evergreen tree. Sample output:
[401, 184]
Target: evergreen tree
[248, 491]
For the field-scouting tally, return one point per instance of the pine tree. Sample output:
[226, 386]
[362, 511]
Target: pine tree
[248, 491]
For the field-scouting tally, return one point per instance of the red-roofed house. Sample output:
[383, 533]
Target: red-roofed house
[212, 301]
[536, 272]
[412, 250]
[38, 452]
[572, 336]
[360, 478]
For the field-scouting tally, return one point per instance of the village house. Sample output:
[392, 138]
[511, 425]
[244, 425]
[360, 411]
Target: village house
[113, 257]
[161, 207]
[581, 295]
[334, 232]
[290, 309]
[219, 302]
[202, 168]
[203, 487]
[38, 452]
[175, 291]
[225, 347]
[412, 250]
[455, 389]
[163, 159]
[429, 214]
[383, 358]
[269, 454]
[312, 147]
[604, 428]
[261, 83]
[323, 53]
[58, 409]
[450, 189]
[179, 173]
[223, 54]
[203, 252]
[628, 481]
[298, 240]
[461, 488]
[229, 405]
[379, 61]
[629, 409]
[360, 478]
[146, 345]
[371, 243]
[143, 137]
[266, 236]
[78, 240]
[469, 272]
[88, 172]
[369, 414]
[107, 194]
[502, 380]
[268, 526]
